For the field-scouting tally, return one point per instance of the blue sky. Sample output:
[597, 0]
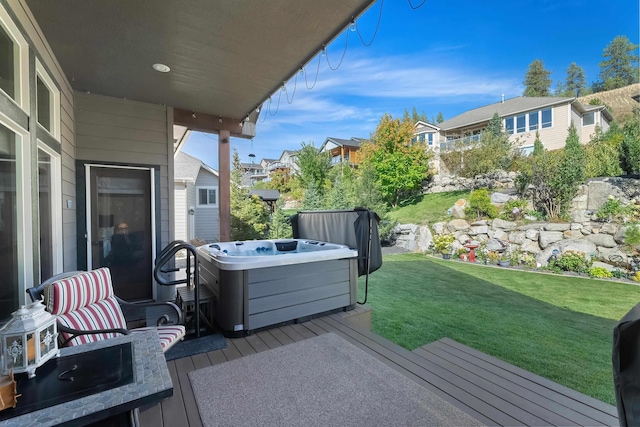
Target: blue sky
[447, 56]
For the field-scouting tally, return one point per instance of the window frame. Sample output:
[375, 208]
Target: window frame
[56, 208]
[523, 128]
[543, 124]
[513, 123]
[593, 118]
[21, 61]
[208, 188]
[54, 101]
[535, 126]
[23, 205]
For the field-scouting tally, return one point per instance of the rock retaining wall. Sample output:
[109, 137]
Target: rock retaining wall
[600, 240]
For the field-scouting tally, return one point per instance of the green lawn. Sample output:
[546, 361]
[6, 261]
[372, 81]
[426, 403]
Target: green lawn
[429, 208]
[556, 326]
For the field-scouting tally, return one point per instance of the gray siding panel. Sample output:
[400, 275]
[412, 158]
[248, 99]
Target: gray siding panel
[180, 212]
[111, 130]
[207, 219]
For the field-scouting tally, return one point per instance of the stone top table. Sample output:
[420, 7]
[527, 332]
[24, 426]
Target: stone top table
[151, 384]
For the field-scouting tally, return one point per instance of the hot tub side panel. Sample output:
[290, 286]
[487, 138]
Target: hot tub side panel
[228, 288]
[250, 299]
[280, 294]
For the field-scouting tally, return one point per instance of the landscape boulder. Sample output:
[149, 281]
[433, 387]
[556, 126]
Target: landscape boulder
[576, 245]
[600, 239]
[548, 237]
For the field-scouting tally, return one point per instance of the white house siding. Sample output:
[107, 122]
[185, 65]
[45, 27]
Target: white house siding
[207, 225]
[38, 45]
[180, 201]
[127, 133]
[555, 136]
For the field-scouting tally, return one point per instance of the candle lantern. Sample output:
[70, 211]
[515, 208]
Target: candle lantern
[28, 340]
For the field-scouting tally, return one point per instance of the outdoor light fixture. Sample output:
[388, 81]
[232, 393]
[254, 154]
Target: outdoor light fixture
[28, 340]
[220, 119]
[352, 26]
[161, 68]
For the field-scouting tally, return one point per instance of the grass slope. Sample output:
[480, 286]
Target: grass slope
[429, 208]
[558, 327]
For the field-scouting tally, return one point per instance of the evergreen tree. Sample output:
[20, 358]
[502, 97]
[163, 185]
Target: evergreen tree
[618, 68]
[280, 225]
[249, 215]
[538, 147]
[415, 117]
[494, 127]
[576, 82]
[312, 198]
[571, 171]
[537, 81]
[440, 118]
[630, 147]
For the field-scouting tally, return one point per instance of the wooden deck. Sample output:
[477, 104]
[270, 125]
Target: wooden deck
[492, 391]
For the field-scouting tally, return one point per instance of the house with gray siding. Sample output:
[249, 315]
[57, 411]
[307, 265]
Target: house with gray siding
[195, 199]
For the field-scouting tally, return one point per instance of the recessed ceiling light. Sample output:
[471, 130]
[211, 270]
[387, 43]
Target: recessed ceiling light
[161, 67]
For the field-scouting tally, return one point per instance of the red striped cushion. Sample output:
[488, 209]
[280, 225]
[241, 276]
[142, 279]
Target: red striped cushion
[169, 335]
[105, 314]
[78, 291]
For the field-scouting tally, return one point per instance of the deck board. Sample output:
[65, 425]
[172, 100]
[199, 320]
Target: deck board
[545, 401]
[488, 389]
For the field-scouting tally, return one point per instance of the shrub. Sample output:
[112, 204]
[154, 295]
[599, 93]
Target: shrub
[599, 272]
[514, 209]
[480, 204]
[442, 243]
[610, 209]
[636, 277]
[529, 261]
[632, 235]
[493, 257]
[515, 257]
[571, 261]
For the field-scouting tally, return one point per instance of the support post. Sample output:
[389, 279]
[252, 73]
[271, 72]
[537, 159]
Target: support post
[224, 188]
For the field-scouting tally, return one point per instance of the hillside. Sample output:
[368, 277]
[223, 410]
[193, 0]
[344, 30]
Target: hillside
[619, 100]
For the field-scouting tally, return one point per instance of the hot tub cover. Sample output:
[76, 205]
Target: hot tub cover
[346, 227]
[626, 367]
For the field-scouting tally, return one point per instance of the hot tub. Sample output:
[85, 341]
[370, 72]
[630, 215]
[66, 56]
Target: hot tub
[260, 283]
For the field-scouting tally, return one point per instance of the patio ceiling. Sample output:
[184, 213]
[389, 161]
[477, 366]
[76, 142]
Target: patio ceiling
[226, 57]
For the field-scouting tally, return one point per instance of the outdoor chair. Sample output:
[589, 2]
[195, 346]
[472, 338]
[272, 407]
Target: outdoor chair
[87, 310]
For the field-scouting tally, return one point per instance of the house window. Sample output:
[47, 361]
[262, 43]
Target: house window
[7, 64]
[208, 196]
[589, 119]
[49, 212]
[526, 150]
[533, 121]
[521, 123]
[14, 61]
[430, 136]
[546, 118]
[44, 104]
[48, 100]
[9, 286]
[508, 125]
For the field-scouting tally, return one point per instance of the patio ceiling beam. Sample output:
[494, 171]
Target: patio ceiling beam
[209, 123]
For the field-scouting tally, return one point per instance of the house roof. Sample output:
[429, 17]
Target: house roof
[266, 195]
[226, 57]
[268, 160]
[251, 166]
[353, 142]
[186, 167]
[506, 108]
